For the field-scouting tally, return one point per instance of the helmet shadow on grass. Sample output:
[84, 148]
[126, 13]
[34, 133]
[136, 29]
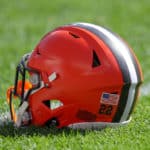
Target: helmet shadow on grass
[10, 131]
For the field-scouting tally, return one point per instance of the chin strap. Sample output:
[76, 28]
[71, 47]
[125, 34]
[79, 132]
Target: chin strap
[11, 106]
[17, 117]
[21, 111]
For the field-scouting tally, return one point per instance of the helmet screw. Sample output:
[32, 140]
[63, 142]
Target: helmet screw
[46, 85]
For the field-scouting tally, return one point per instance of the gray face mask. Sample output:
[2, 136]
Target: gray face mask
[26, 82]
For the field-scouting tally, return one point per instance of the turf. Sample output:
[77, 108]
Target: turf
[23, 23]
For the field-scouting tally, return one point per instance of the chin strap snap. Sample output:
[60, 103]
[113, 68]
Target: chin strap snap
[11, 106]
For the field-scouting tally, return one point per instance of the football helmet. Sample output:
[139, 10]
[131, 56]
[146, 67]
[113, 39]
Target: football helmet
[79, 75]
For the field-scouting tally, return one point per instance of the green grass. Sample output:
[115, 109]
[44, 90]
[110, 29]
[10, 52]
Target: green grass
[134, 136]
[23, 23]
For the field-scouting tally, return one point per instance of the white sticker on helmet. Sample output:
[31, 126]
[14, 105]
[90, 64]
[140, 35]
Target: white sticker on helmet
[52, 77]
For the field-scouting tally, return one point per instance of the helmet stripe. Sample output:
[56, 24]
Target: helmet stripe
[127, 63]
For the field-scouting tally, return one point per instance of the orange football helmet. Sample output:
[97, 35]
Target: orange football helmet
[79, 75]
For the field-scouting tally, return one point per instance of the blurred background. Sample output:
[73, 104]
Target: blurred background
[23, 23]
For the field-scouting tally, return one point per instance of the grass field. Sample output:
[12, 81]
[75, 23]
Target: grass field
[23, 23]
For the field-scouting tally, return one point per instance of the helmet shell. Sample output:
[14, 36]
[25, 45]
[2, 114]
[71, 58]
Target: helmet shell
[98, 76]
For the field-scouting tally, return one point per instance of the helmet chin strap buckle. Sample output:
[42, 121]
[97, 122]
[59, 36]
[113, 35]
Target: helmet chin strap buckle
[20, 113]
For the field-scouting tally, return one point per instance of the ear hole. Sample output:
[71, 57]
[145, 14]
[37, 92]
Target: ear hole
[96, 61]
[53, 104]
